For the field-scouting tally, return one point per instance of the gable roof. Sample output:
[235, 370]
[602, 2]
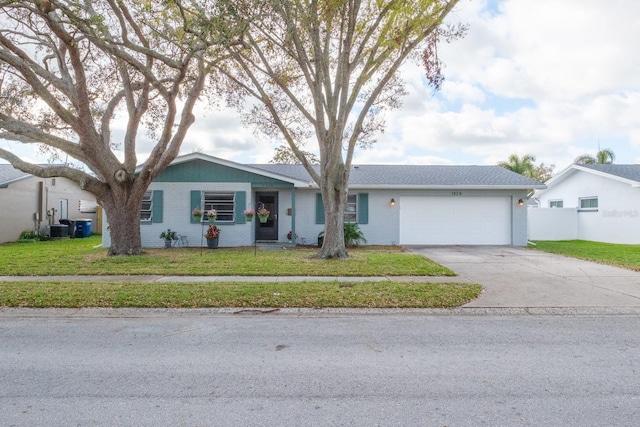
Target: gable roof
[629, 174]
[418, 176]
[9, 174]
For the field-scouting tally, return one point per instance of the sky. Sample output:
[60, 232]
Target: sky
[555, 79]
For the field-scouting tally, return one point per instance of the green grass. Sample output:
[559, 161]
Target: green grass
[80, 257]
[233, 294]
[626, 256]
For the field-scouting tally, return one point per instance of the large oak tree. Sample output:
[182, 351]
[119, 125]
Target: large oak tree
[323, 71]
[69, 70]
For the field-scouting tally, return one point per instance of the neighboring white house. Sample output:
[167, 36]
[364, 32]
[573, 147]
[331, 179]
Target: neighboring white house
[392, 204]
[30, 203]
[589, 202]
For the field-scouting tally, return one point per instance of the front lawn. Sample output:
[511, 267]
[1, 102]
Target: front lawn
[626, 256]
[82, 257]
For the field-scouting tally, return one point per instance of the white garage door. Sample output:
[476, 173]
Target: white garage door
[455, 221]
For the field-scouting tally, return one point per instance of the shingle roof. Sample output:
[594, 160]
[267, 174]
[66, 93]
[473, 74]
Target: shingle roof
[630, 172]
[8, 174]
[417, 175]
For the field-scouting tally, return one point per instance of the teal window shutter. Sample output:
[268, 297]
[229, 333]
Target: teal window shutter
[156, 209]
[319, 209]
[363, 208]
[196, 196]
[240, 203]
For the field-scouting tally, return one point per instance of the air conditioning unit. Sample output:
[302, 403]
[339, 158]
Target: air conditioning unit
[57, 231]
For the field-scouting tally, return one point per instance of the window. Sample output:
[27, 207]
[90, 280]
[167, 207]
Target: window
[556, 203]
[351, 210]
[147, 205]
[589, 203]
[223, 203]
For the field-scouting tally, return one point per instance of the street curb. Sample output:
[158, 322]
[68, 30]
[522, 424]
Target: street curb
[10, 312]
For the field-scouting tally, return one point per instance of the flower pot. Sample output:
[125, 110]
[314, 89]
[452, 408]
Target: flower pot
[320, 241]
[197, 218]
[212, 220]
[212, 243]
[263, 219]
[167, 243]
[248, 218]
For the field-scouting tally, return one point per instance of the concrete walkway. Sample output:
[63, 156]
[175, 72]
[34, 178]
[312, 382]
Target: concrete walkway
[521, 277]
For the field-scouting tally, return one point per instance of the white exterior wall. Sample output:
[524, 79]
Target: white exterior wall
[617, 219]
[20, 201]
[553, 223]
[383, 227]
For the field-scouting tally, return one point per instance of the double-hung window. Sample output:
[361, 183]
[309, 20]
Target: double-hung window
[147, 207]
[223, 203]
[556, 203]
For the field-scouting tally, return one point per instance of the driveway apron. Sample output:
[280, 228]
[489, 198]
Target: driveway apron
[520, 277]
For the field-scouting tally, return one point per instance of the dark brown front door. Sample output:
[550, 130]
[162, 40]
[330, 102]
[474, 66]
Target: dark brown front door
[267, 230]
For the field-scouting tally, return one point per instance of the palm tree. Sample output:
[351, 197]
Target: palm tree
[606, 156]
[520, 165]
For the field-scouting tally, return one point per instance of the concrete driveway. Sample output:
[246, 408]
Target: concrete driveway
[520, 277]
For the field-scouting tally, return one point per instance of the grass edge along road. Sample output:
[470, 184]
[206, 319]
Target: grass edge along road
[308, 294]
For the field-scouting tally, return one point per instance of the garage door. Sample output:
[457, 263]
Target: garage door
[455, 221]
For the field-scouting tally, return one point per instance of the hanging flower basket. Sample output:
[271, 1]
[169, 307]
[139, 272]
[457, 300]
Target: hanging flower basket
[248, 214]
[211, 216]
[263, 215]
[197, 214]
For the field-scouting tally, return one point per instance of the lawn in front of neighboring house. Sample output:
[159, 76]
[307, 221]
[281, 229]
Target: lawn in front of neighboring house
[625, 256]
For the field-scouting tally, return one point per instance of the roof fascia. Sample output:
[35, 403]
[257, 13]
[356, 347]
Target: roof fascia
[5, 184]
[444, 187]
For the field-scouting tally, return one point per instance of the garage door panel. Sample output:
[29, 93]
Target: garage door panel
[455, 220]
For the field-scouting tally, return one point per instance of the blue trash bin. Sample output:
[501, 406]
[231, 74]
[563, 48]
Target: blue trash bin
[83, 227]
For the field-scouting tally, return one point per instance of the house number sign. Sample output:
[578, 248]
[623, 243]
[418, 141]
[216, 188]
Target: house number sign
[456, 193]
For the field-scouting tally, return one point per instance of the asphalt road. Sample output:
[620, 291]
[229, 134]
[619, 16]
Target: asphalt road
[196, 369]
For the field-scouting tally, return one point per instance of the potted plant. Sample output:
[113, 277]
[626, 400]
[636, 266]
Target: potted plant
[211, 216]
[212, 234]
[197, 214]
[353, 236]
[248, 214]
[168, 236]
[263, 215]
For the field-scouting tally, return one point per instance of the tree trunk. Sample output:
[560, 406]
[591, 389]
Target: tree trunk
[334, 197]
[122, 208]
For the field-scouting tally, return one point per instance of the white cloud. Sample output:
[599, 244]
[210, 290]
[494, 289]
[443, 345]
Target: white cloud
[571, 63]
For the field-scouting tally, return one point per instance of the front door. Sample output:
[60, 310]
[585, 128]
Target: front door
[267, 230]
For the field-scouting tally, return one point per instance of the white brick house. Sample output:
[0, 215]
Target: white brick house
[392, 204]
